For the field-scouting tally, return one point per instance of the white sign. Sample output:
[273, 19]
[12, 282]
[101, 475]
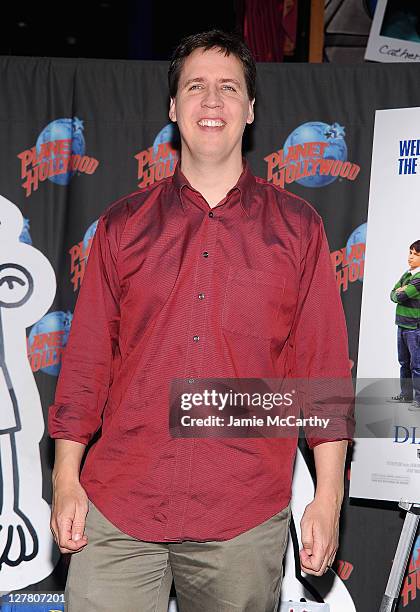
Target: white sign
[386, 462]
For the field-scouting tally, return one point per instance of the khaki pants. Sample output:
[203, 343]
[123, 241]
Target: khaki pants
[116, 572]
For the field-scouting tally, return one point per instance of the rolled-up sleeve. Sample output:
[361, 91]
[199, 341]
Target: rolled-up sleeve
[320, 342]
[85, 376]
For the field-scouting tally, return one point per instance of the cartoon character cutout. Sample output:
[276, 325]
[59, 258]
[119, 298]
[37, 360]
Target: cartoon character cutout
[27, 289]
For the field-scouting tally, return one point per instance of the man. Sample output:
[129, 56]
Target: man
[209, 273]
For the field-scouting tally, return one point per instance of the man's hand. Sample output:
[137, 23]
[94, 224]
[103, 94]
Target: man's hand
[401, 289]
[68, 517]
[319, 533]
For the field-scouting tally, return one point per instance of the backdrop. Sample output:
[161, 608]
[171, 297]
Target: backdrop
[76, 134]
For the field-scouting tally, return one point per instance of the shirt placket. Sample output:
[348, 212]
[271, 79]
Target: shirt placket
[195, 354]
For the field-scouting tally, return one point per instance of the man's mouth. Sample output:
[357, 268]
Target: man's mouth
[211, 123]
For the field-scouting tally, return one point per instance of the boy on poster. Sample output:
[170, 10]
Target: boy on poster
[406, 294]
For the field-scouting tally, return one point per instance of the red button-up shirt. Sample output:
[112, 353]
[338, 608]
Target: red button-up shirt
[175, 289]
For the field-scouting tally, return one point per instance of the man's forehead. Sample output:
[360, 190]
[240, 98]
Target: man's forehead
[214, 60]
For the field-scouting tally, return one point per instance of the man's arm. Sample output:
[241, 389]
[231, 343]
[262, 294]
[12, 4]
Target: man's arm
[86, 368]
[70, 504]
[84, 381]
[320, 349]
[320, 523]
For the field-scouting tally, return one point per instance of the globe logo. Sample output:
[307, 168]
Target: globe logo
[46, 341]
[169, 134]
[316, 131]
[358, 236]
[25, 235]
[62, 129]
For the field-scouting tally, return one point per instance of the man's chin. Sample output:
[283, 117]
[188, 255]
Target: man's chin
[212, 153]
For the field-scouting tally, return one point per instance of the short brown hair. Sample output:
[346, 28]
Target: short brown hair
[227, 42]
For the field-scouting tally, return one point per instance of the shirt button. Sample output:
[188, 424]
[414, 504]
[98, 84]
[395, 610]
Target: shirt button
[196, 338]
[201, 296]
[191, 380]
[211, 214]
[205, 254]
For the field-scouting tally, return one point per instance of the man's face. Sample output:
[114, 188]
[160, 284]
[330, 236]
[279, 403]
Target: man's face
[211, 106]
[413, 259]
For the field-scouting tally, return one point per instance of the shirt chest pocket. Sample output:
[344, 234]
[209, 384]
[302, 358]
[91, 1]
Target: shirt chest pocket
[252, 302]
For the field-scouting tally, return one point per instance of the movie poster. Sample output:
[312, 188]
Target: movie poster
[386, 462]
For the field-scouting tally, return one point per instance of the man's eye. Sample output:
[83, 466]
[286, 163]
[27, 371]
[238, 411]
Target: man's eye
[230, 87]
[194, 86]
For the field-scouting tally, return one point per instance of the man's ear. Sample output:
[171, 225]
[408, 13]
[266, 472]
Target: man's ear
[172, 111]
[250, 117]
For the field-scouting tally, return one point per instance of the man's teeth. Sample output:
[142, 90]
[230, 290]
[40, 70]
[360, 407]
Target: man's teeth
[211, 123]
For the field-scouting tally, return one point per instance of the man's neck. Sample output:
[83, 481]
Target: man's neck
[212, 180]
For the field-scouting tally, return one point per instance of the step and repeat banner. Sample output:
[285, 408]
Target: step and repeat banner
[77, 134]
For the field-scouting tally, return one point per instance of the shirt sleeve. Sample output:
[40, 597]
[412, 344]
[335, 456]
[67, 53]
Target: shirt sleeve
[411, 291]
[85, 376]
[402, 296]
[319, 343]
[394, 294]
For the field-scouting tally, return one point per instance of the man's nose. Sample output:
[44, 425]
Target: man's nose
[212, 98]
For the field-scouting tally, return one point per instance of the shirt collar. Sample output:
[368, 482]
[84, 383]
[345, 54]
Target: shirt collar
[415, 271]
[245, 185]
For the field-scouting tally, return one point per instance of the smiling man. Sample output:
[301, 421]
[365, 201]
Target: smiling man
[211, 102]
[211, 273]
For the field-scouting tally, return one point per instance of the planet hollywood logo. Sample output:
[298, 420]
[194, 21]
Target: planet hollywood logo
[411, 583]
[344, 569]
[58, 154]
[79, 254]
[349, 262]
[313, 155]
[158, 161]
[47, 341]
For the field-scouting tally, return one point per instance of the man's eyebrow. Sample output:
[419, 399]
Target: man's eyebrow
[230, 81]
[203, 79]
